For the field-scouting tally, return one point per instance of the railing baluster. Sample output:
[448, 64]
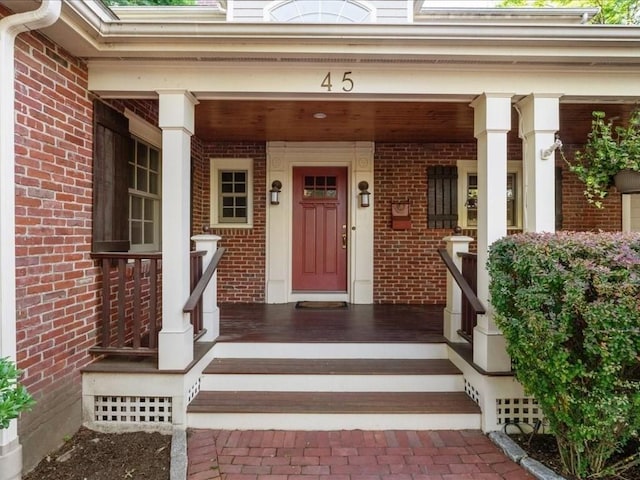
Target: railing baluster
[122, 285]
[153, 303]
[137, 299]
[106, 302]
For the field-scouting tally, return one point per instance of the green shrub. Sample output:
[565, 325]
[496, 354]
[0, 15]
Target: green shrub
[14, 398]
[569, 307]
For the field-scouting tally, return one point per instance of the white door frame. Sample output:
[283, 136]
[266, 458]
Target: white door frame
[282, 157]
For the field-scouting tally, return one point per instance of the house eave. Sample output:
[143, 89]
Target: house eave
[88, 32]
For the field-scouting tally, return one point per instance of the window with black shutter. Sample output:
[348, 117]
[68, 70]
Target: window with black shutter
[111, 151]
[442, 196]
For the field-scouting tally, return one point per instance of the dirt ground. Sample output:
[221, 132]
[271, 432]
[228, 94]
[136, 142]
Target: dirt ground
[90, 455]
[544, 449]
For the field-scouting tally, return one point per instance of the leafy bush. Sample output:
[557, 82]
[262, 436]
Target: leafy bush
[569, 307]
[14, 398]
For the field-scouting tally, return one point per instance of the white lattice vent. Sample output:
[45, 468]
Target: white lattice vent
[194, 390]
[132, 409]
[518, 410]
[472, 391]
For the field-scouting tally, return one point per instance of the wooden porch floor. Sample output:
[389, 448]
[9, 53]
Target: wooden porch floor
[353, 324]
[283, 323]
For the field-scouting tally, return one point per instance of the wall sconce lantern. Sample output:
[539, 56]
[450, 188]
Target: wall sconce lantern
[545, 154]
[365, 196]
[274, 193]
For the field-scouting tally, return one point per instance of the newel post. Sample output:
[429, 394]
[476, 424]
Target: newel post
[210, 310]
[452, 312]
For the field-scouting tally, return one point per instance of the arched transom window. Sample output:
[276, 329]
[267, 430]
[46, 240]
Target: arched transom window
[320, 11]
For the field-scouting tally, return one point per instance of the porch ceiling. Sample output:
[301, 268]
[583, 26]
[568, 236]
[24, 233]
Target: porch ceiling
[383, 121]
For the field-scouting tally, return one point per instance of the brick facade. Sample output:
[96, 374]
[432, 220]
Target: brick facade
[56, 280]
[241, 273]
[407, 268]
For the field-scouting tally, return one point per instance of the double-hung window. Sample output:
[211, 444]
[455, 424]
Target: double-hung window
[468, 194]
[145, 185]
[232, 192]
[144, 196]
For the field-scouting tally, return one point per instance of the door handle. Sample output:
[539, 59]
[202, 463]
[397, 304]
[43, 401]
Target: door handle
[344, 240]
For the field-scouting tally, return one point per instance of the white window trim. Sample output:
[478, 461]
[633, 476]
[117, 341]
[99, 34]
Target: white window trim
[630, 213]
[148, 133]
[139, 127]
[218, 164]
[466, 167]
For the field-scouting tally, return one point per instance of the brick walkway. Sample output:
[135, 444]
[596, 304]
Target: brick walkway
[347, 455]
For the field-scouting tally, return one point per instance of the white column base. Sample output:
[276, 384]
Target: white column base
[175, 349]
[276, 291]
[362, 292]
[211, 322]
[11, 461]
[490, 351]
[452, 323]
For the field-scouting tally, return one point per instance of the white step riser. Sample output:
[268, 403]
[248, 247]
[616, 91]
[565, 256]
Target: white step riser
[310, 421]
[333, 383]
[331, 350]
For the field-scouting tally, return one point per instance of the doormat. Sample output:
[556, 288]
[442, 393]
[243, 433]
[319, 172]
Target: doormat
[321, 305]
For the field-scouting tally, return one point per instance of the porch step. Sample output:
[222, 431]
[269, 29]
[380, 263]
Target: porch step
[333, 410]
[340, 391]
[337, 375]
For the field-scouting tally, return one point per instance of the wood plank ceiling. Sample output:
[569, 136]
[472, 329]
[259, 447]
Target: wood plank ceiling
[401, 122]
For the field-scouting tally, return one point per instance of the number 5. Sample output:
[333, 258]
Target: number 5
[347, 83]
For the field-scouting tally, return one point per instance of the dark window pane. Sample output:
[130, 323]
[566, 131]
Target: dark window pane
[143, 155]
[148, 232]
[136, 232]
[226, 176]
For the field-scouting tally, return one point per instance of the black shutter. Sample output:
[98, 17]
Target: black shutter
[111, 150]
[442, 197]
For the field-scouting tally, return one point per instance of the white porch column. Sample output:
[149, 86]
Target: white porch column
[539, 122]
[175, 344]
[492, 121]
[452, 312]
[210, 310]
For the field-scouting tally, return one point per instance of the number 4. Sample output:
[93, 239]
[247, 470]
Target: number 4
[326, 82]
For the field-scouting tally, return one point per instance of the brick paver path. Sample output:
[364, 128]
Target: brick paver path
[347, 455]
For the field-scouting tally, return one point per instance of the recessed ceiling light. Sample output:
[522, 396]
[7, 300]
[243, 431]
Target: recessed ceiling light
[319, 115]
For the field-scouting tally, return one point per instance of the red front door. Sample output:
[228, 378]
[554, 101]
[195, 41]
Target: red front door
[320, 229]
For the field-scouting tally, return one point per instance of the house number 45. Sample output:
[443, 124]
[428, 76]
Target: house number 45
[347, 82]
